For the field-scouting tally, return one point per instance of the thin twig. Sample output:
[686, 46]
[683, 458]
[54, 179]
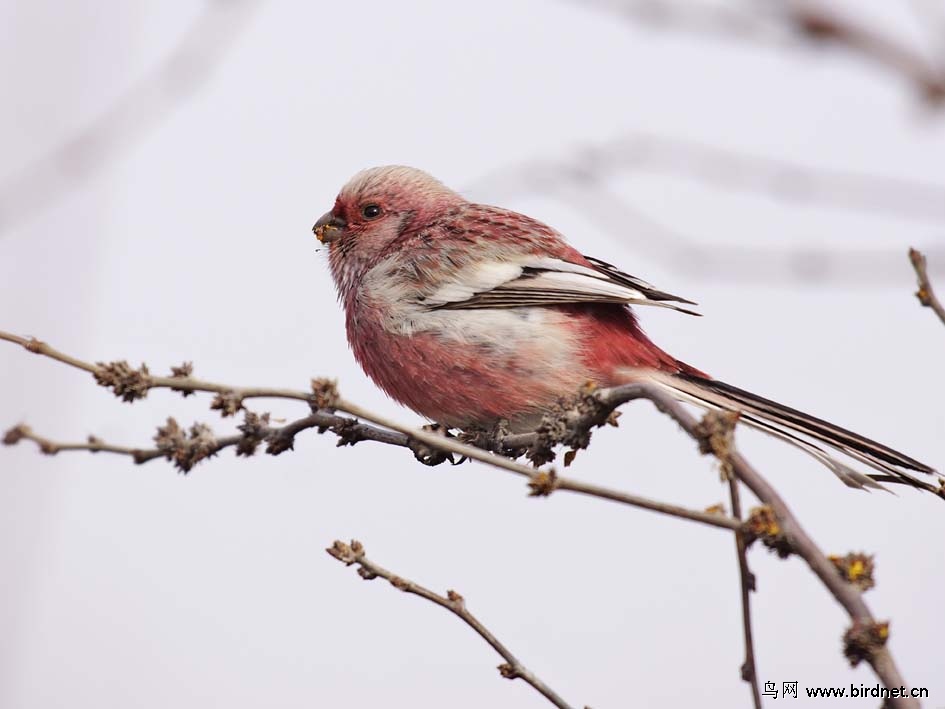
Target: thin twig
[149, 381]
[925, 294]
[717, 436]
[512, 668]
[747, 583]
[93, 445]
[846, 594]
[349, 431]
[183, 450]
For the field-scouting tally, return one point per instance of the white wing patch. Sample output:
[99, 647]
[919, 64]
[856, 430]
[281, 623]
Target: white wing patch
[472, 280]
[540, 281]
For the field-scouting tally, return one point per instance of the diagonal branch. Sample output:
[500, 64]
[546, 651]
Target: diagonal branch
[822, 24]
[866, 638]
[925, 294]
[790, 23]
[512, 668]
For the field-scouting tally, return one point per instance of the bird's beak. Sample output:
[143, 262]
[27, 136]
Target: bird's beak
[328, 228]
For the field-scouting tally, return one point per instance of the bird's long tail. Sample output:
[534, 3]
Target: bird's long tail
[804, 431]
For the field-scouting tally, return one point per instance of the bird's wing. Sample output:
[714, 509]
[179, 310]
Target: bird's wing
[538, 280]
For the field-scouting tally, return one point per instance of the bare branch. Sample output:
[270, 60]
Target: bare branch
[717, 436]
[512, 668]
[747, 584]
[186, 451]
[865, 640]
[925, 294]
[22, 432]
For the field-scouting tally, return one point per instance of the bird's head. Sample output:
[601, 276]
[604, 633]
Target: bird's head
[376, 207]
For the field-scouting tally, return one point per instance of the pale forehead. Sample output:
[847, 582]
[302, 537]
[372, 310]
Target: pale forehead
[392, 180]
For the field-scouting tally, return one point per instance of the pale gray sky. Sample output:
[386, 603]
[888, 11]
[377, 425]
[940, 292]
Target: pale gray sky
[136, 586]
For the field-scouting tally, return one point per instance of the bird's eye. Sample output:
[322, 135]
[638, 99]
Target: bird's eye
[370, 211]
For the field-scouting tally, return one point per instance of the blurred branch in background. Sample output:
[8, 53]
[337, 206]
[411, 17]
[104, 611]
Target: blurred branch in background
[773, 524]
[930, 14]
[149, 102]
[822, 24]
[792, 24]
[581, 181]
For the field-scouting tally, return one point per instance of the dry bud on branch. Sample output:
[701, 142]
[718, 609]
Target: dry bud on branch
[856, 568]
[716, 434]
[186, 449]
[926, 293]
[228, 403]
[543, 484]
[128, 384]
[763, 524]
[863, 640]
[324, 394]
[15, 434]
[183, 371]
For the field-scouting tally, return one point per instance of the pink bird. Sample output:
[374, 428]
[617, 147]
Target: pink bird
[469, 314]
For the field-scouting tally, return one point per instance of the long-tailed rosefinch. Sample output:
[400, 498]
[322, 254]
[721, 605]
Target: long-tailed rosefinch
[469, 314]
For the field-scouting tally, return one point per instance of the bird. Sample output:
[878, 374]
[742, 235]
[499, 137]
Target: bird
[471, 315]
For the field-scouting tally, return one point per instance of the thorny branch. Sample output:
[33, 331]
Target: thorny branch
[774, 524]
[512, 668]
[925, 294]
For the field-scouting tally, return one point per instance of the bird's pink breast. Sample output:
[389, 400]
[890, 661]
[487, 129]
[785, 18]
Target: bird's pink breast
[459, 384]
[465, 382]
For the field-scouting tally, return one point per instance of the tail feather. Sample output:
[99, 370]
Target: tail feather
[803, 431]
